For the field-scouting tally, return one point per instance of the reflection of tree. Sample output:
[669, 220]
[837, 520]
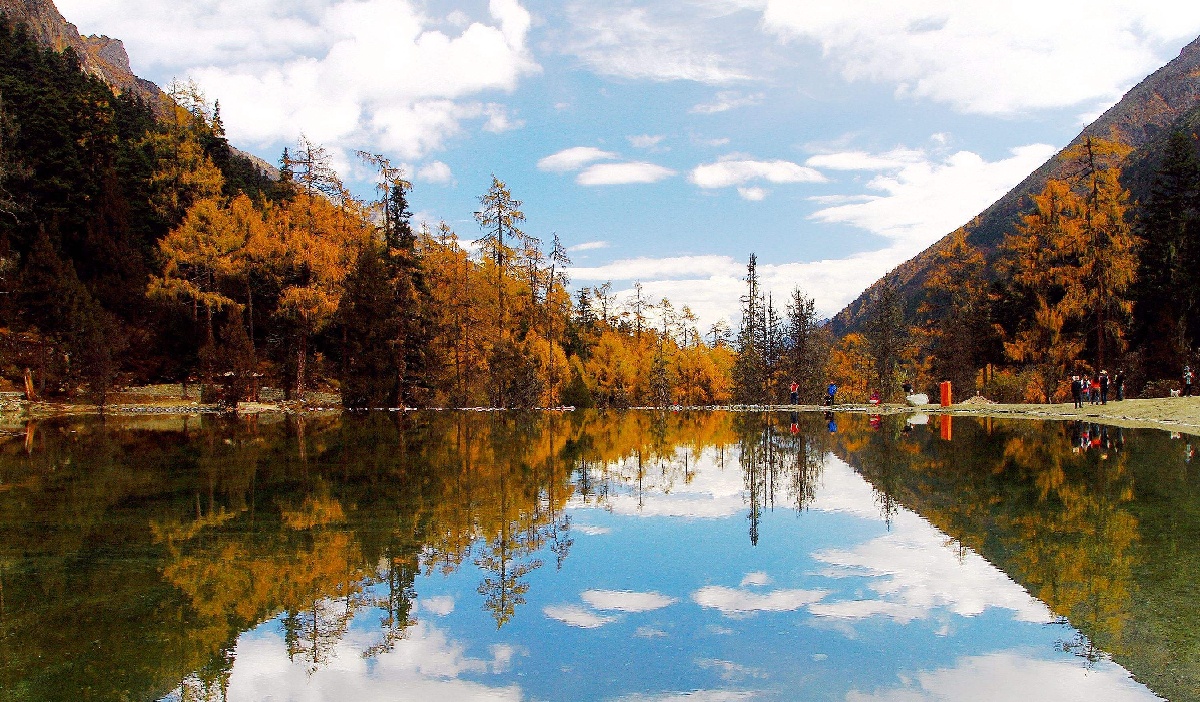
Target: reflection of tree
[1047, 502]
[778, 460]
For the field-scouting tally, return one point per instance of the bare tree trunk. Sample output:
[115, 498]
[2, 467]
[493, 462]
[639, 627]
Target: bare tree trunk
[301, 355]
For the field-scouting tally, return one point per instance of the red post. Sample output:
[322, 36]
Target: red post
[947, 394]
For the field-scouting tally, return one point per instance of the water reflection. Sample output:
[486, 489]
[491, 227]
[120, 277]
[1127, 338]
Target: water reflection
[509, 556]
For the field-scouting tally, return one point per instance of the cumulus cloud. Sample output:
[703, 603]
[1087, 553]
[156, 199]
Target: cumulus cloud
[991, 58]
[331, 68]
[626, 601]
[739, 171]
[623, 173]
[574, 615]
[928, 198]
[435, 172]
[752, 194]
[731, 601]
[727, 100]
[574, 158]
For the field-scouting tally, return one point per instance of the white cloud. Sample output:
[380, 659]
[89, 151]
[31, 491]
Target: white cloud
[626, 601]
[657, 43]
[727, 100]
[927, 199]
[574, 615]
[435, 172]
[1011, 676]
[645, 141]
[752, 194]
[588, 246]
[863, 161]
[992, 58]
[731, 601]
[574, 158]
[623, 174]
[328, 67]
[738, 171]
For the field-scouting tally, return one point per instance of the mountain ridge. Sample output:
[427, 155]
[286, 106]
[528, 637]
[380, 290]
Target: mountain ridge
[101, 56]
[1139, 118]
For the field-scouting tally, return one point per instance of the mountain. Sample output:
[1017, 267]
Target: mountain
[1144, 116]
[101, 56]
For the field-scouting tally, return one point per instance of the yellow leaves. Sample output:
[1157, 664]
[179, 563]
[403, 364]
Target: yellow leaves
[205, 249]
[319, 243]
[850, 367]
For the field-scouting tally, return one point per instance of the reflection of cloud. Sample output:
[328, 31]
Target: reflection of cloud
[1010, 675]
[910, 568]
[441, 605]
[732, 601]
[729, 670]
[626, 601]
[757, 578]
[574, 615]
[692, 696]
[426, 664]
[711, 492]
[588, 530]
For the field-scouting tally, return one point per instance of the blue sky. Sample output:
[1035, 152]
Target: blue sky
[667, 140]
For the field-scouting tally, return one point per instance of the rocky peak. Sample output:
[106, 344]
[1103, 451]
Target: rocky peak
[102, 56]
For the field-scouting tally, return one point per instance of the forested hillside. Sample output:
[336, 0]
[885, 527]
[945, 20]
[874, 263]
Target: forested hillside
[1087, 265]
[138, 246]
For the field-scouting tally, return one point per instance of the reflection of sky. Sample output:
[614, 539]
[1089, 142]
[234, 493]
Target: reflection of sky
[670, 601]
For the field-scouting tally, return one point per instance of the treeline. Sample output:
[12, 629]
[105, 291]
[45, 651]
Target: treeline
[1090, 280]
[138, 249]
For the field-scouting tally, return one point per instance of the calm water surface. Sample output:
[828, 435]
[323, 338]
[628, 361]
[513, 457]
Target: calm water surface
[638, 556]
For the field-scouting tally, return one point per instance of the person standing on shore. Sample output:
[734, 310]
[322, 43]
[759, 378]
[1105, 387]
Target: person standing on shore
[1103, 387]
[1077, 391]
[795, 388]
[1187, 381]
[1120, 382]
[1096, 390]
[830, 393]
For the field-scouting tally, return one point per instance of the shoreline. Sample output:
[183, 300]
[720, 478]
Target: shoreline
[1177, 414]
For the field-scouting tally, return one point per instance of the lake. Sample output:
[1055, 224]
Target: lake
[636, 556]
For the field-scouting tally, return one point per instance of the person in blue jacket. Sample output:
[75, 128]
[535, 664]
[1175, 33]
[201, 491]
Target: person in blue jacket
[830, 393]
